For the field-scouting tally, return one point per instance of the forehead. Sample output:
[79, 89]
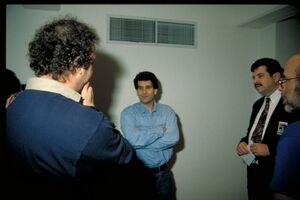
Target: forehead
[292, 66]
[288, 71]
[260, 69]
[144, 83]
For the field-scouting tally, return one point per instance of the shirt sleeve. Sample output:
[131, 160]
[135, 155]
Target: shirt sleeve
[170, 137]
[150, 137]
[107, 147]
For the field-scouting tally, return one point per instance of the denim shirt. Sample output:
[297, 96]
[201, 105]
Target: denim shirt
[144, 130]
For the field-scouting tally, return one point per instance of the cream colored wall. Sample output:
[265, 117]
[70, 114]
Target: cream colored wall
[209, 86]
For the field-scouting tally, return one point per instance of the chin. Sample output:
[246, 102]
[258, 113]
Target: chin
[260, 91]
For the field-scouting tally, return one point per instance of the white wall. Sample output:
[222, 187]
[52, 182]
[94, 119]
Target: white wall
[209, 86]
[287, 39]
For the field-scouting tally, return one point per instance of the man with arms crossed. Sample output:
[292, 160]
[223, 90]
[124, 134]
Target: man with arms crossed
[152, 129]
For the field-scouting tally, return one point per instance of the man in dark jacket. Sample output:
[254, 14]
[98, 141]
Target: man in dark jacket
[265, 127]
[58, 144]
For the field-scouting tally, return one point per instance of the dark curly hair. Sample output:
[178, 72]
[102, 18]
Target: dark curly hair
[61, 45]
[145, 76]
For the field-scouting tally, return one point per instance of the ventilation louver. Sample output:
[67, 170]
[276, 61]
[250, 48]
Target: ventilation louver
[149, 31]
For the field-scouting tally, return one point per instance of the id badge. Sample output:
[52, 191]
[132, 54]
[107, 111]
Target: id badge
[281, 127]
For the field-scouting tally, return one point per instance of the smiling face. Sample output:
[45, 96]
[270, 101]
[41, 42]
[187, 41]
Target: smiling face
[263, 82]
[146, 92]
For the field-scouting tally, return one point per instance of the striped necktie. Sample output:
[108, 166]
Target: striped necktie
[257, 133]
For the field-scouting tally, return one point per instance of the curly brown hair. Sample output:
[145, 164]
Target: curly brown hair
[61, 46]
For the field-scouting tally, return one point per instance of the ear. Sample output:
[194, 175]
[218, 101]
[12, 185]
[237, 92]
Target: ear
[79, 71]
[155, 91]
[276, 76]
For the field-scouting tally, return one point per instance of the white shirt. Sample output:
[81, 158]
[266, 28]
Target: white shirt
[274, 99]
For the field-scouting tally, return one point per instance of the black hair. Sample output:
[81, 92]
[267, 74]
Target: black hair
[146, 76]
[61, 45]
[271, 64]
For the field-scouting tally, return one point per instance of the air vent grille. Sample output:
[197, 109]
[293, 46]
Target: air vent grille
[132, 30]
[175, 33]
[150, 31]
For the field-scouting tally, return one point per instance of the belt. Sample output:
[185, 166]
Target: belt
[159, 169]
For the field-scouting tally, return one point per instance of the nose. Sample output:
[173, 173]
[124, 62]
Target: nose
[144, 90]
[254, 80]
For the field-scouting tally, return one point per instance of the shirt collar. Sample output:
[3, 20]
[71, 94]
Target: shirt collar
[275, 95]
[143, 109]
[48, 85]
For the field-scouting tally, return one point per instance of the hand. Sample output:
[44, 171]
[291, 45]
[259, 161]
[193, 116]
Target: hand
[242, 148]
[260, 149]
[9, 100]
[87, 94]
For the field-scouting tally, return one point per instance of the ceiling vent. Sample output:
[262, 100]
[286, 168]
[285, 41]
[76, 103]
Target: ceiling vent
[151, 31]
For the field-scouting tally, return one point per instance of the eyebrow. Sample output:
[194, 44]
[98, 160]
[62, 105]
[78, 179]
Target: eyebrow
[259, 74]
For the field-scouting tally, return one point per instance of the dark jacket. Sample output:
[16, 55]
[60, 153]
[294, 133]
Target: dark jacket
[57, 148]
[259, 176]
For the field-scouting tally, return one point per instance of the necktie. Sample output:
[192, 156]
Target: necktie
[257, 133]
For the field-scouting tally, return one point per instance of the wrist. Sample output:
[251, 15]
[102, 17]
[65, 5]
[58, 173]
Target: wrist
[86, 102]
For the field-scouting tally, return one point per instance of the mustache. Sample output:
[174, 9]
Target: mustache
[257, 84]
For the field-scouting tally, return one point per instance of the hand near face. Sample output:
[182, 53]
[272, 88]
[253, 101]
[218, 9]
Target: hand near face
[87, 94]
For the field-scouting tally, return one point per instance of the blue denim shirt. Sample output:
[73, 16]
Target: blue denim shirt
[144, 130]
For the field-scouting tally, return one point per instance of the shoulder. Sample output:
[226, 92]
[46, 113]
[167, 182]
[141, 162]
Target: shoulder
[165, 107]
[77, 112]
[294, 128]
[290, 138]
[259, 102]
[130, 108]
[289, 145]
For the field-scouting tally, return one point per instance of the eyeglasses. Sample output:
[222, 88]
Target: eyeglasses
[283, 80]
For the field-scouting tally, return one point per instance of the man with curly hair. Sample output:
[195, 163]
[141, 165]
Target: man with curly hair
[55, 137]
